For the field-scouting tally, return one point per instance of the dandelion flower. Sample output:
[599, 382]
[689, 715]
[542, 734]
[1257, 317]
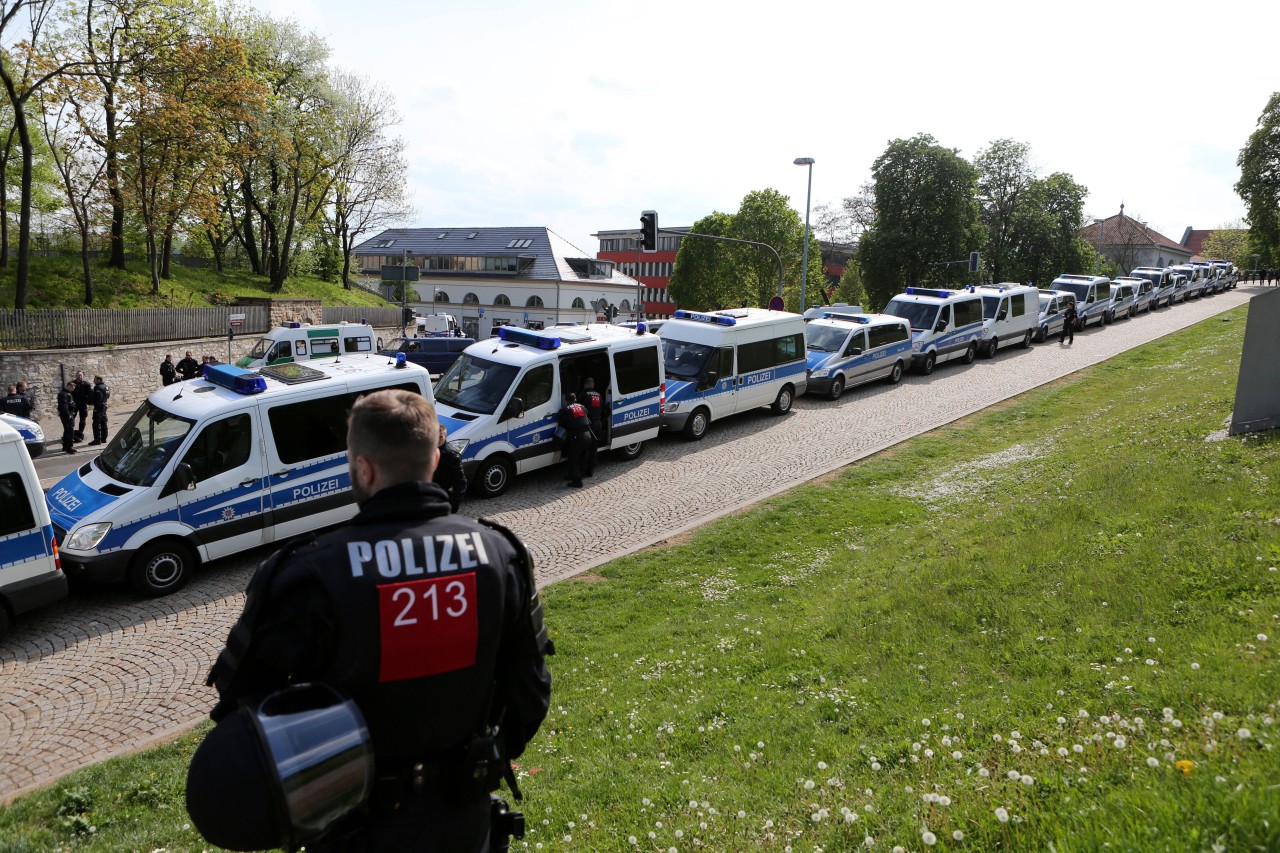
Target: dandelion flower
[928, 838]
[1152, 761]
[1014, 775]
[1062, 750]
[632, 840]
[741, 814]
[1195, 666]
[1244, 734]
[1002, 814]
[1262, 638]
[808, 784]
[1185, 766]
[958, 835]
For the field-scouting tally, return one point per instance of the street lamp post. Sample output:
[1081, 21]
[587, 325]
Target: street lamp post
[1102, 234]
[804, 262]
[1256, 276]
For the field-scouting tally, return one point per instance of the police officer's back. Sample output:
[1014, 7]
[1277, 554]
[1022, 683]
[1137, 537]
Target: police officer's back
[428, 620]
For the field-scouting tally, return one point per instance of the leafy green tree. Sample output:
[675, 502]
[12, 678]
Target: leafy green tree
[766, 216]
[1004, 179]
[850, 288]
[705, 269]
[925, 212]
[1045, 231]
[1259, 184]
[1229, 243]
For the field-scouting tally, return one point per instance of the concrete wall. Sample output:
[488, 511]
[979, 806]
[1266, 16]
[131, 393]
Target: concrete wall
[131, 372]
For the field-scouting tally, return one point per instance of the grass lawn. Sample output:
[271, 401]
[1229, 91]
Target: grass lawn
[58, 282]
[1049, 627]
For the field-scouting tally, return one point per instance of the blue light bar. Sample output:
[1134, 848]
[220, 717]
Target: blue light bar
[716, 319]
[924, 291]
[515, 335]
[850, 318]
[235, 379]
[294, 325]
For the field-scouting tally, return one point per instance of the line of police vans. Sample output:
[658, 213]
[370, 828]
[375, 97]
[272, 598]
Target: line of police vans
[239, 458]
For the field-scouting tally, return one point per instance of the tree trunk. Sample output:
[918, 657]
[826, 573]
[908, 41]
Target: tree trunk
[84, 260]
[114, 191]
[166, 254]
[250, 240]
[217, 247]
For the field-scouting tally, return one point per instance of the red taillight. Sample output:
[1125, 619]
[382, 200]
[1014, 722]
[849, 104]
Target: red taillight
[662, 398]
[57, 560]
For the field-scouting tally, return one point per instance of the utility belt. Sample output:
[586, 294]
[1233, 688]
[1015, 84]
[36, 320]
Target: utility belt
[420, 780]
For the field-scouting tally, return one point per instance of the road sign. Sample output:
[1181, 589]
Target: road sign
[526, 316]
[235, 324]
[775, 304]
[234, 317]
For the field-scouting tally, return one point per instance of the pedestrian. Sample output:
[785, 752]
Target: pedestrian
[101, 394]
[83, 394]
[168, 373]
[1069, 324]
[26, 391]
[594, 403]
[577, 433]
[429, 621]
[188, 368]
[15, 403]
[67, 414]
[449, 474]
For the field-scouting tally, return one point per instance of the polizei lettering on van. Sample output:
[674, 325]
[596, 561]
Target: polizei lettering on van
[66, 500]
[314, 490]
[430, 555]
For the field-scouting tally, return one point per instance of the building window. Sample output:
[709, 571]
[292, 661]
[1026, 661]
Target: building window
[578, 303]
[471, 299]
[534, 301]
[624, 305]
[441, 296]
[501, 299]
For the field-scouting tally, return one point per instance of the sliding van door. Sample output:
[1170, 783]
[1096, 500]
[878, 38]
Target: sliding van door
[225, 506]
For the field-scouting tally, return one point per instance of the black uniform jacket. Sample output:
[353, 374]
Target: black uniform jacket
[418, 615]
[66, 405]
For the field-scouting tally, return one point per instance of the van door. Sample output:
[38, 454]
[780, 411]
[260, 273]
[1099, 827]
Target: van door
[532, 437]
[225, 505]
[723, 400]
[855, 349]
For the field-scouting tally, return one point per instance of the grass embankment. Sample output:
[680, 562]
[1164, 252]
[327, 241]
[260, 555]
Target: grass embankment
[1049, 627]
[58, 282]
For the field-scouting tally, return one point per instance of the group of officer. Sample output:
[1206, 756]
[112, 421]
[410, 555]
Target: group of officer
[20, 401]
[75, 400]
[427, 622]
[583, 427]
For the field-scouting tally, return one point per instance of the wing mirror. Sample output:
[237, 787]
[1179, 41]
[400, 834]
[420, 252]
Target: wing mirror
[709, 379]
[183, 480]
[514, 409]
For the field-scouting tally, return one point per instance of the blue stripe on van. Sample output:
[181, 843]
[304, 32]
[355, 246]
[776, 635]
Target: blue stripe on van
[26, 546]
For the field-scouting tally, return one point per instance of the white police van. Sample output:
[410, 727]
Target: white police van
[294, 342]
[1161, 282]
[1197, 283]
[1010, 314]
[500, 399]
[32, 434]
[945, 324]
[1053, 310]
[1131, 295]
[30, 573]
[213, 466]
[1093, 297]
[719, 363]
[849, 349]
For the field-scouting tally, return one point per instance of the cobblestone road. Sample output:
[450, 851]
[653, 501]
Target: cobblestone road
[102, 673]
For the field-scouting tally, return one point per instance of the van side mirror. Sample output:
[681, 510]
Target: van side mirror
[709, 379]
[514, 409]
[854, 351]
[1004, 312]
[941, 326]
[1090, 300]
[183, 480]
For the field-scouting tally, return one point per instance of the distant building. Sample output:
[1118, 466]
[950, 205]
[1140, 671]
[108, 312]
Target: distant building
[1129, 243]
[522, 276]
[1193, 241]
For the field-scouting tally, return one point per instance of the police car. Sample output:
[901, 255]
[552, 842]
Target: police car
[945, 324]
[1053, 310]
[30, 431]
[1009, 314]
[848, 349]
[30, 573]
[1161, 282]
[1093, 297]
[216, 465]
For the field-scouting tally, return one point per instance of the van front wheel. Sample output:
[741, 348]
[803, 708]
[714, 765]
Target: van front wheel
[630, 451]
[782, 405]
[837, 388]
[161, 568]
[696, 427]
[493, 477]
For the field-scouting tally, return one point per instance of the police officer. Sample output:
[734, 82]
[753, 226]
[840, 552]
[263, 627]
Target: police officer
[449, 474]
[101, 394]
[594, 403]
[16, 403]
[168, 371]
[67, 414]
[577, 438]
[430, 622]
[82, 395]
[188, 367]
[1069, 318]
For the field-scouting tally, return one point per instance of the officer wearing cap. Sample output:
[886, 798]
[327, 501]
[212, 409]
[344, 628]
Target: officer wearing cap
[429, 621]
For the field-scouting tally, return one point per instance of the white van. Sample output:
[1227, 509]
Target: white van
[722, 362]
[1010, 314]
[945, 324]
[1161, 284]
[1132, 295]
[213, 466]
[500, 399]
[437, 325]
[1093, 297]
[1053, 309]
[303, 342]
[30, 573]
[849, 349]
[1197, 283]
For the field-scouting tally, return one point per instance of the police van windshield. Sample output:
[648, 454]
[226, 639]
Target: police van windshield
[261, 348]
[825, 338]
[475, 384]
[1153, 277]
[1078, 289]
[146, 444]
[684, 360]
[920, 315]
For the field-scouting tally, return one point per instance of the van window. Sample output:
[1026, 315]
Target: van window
[637, 369]
[856, 341]
[535, 386]
[15, 505]
[879, 336]
[1018, 305]
[755, 356]
[360, 344]
[301, 349]
[788, 348]
[968, 311]
[284, 350]
[324, 346]
[726, 362]
[220, 447]
[313, 428]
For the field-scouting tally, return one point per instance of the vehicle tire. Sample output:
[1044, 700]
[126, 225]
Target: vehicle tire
[1106, 318]
[929, 361]
[992, 346]
[161, 568]
[34, 452]
[1132, 312]
[493, 477]
[1026, 340]
[628, 452]
[971, 353]
[786, 397]
[1042, 334]
[895, 375]
[837, 388]
[696, 427]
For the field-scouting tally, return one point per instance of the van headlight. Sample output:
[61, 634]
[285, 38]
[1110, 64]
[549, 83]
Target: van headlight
[671, 407]
[457, 445]
[820, 373]
[87, 538]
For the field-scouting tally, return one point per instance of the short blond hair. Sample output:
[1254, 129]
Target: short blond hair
[397, 431]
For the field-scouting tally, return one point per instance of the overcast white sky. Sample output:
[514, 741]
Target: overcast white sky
[578, 115]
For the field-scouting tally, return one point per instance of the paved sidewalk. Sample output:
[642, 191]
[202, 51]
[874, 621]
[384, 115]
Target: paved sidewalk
[103, 673]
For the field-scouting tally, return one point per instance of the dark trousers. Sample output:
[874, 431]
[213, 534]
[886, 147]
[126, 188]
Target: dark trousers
[1068, 333]
[100, 424]
[68, 433]
[418, 824]
[590, 453]
[83, 410]
[575, 450]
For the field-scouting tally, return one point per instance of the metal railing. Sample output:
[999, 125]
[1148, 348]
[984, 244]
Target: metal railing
[52, 328]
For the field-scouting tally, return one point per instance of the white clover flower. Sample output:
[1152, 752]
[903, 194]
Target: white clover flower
[1002, 814]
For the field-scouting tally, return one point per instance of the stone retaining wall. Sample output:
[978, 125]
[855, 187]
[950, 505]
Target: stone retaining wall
[131, 371]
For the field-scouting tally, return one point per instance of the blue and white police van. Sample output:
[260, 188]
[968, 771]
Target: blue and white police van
[500, 399]
[945, 324]
[848, 349]
[1161, 282]
[32, 434]
[1010, 313]
[1053, 309]
[1197, 281]
[30, 573]
[1093, 297]
[719, 363]
[216, 465]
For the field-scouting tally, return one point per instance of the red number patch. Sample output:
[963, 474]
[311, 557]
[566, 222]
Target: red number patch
[428, 626]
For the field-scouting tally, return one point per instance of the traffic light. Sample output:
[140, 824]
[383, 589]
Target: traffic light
[649, 230]
[973, 262]
[613, 312]
[408, 315]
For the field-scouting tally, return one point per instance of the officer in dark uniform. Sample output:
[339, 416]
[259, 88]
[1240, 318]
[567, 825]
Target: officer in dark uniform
[430, 622]
[1069, 319]
[83, 395]
[594, 402]
[99, 397]
[577, 438]
[188, 367]
[67, 414]
[449, 474]
[16, 403]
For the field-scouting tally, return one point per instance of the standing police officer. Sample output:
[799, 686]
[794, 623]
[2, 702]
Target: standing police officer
[594, 403]
[577, 438]
[83, 395]
[67, 414]
[429, 621]
[101, 394]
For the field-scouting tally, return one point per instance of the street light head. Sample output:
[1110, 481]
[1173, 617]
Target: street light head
[804, 161]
